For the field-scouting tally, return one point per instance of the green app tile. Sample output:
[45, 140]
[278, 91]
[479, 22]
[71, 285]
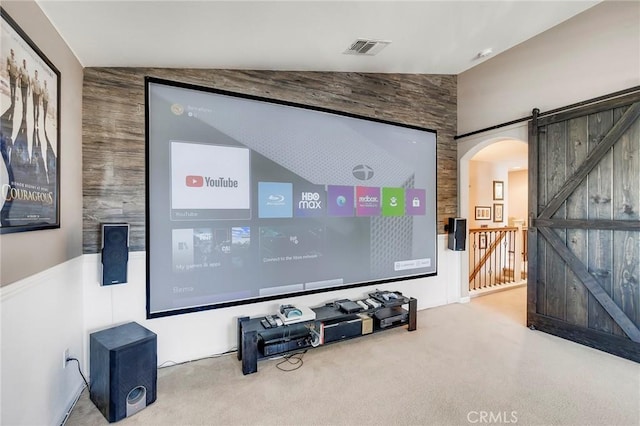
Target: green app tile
[392, 202]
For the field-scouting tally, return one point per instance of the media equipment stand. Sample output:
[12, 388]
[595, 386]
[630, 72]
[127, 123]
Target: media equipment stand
[336, 321]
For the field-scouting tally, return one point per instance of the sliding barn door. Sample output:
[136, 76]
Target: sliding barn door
[584, 238]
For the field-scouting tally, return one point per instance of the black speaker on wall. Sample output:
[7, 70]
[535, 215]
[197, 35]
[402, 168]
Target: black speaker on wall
[123, 368]
[115, 253]
[457, 233]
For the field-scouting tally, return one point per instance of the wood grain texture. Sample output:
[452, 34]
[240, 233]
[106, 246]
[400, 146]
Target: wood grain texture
[591, 108]
[577, 294]
[556, 177]
[540, 255]
[600, 248]
[606, 224]
[626, 205]
[591, 282]
[602, 146]
[113, 143]
[625, 348]
[587, 171]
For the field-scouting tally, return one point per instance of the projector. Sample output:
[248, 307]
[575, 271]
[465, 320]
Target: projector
[290, 314]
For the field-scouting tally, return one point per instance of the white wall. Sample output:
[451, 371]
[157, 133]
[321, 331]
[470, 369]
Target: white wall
[481, 177]
[595, 53]
[47, 248]
[518, 195]
[196, 335]
[41, 271]
[41, 316]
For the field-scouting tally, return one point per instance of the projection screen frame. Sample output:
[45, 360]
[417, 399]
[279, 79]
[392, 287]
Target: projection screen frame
[154, 313]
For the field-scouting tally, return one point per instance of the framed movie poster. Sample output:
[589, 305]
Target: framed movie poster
[29, 134]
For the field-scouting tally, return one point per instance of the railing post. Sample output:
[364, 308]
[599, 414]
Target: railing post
[519, 249]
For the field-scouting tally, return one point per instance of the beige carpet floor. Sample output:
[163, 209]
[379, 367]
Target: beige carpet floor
[472, 363]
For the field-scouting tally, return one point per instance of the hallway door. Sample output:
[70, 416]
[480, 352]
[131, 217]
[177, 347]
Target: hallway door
[584, 234]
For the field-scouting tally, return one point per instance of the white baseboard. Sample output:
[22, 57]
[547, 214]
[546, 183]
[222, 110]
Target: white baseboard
[70, 407]
[490, 290]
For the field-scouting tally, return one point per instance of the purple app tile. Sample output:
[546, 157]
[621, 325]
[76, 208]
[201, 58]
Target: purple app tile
[367, 201]
[340, 200]
[415, 202]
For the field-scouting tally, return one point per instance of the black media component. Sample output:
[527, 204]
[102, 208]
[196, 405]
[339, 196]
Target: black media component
[388, 298]
[283, 339]
[331, 325]
[123, 370]
[342, 328]
[285, 346]
[115, 253]
[457, 229]
[387, 317]
[348, 306]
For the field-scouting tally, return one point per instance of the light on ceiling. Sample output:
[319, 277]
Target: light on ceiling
[484, 53]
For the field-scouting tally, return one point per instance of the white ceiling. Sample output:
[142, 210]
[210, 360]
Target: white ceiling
[430, 37]
[427, 37]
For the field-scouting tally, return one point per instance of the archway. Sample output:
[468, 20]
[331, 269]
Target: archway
[467, 149]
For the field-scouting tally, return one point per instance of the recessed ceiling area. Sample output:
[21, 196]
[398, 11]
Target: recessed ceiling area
[427, 37]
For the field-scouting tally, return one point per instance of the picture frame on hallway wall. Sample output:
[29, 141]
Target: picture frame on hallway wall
[498, 190]
[483, 213]
[482, 241]
[29, 133]
[498, 212]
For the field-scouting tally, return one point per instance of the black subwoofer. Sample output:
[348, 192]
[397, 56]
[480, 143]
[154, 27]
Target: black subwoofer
[123, 370]
[115, 253]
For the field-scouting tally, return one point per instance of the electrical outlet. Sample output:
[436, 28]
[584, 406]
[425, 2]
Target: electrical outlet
[65, 357]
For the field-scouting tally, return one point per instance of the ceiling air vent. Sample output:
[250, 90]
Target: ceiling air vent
[366, 47]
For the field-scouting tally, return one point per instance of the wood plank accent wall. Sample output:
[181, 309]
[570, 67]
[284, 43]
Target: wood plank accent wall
[113, 139]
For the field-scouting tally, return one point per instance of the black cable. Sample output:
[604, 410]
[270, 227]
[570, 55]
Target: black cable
[79, 371]
[218, 355]
[296, 363]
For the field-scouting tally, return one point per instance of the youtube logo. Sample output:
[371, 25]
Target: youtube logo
[194, 181]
